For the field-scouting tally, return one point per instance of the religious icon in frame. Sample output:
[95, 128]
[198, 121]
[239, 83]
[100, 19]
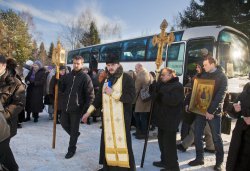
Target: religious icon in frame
[202, 94]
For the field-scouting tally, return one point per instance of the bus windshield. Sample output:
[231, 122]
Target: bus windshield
[194, 53]
[233, 54]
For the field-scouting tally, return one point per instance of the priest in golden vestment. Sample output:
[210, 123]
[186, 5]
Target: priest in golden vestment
[115, 96]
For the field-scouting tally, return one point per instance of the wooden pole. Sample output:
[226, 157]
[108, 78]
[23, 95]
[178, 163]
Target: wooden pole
[55, 107]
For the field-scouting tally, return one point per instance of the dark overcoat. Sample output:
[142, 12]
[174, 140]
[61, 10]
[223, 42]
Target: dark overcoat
[34, 96]
[168, 104]
[239, 150]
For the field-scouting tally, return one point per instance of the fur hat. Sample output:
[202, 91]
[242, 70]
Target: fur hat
[112, 57]
[62, 67]
[29, 62]
[11, 63]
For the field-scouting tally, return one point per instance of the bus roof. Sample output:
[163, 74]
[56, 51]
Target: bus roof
[189, 33]
[207, 31]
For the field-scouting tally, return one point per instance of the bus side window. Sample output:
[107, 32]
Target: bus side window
[152, 51]
[110, 48]
[86, 55]
[134, 50]
[71, 55]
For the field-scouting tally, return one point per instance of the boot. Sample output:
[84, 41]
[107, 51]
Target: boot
[27, 117]
[137, 132]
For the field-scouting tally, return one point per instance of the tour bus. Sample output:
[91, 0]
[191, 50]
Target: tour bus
[228, 45]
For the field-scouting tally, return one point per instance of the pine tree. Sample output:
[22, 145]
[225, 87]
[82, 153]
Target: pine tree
[51, 50]
[218, 12]
[91, 37]
[15, 40]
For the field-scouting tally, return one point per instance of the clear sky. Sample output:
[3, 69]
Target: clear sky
[136, 17]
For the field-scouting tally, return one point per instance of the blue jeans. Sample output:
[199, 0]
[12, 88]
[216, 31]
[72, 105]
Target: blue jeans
[215, 126]
[141, 119]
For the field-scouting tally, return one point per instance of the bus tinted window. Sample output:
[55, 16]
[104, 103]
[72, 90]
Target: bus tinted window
[175, 57]
[115, 48]
[71, 55]
[95, 52]
[134, 50]
[85, 53]
[194, 53]
[152, 51]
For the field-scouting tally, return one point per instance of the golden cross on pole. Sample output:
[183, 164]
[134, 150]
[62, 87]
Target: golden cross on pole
[58, 57]
[161, 40]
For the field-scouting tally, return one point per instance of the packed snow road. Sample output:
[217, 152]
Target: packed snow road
[33, 152]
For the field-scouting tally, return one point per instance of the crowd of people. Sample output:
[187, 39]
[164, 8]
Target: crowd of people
[123, 99]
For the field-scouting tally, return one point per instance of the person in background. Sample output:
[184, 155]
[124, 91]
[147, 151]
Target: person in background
[94, 79]
[48, 95]
[239, 150]
[152, 125]
[34, 97]
[12, 68]
[27, 67]
[133, 122]
[142, 108]
[168, 97]
[62, 73]
[12, 97]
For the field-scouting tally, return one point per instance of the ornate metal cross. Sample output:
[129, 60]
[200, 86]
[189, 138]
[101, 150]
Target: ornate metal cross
[161, 40]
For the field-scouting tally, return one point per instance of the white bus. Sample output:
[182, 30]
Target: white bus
[228, 45]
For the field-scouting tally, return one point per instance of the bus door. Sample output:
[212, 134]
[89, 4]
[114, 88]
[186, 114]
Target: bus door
[175, 58]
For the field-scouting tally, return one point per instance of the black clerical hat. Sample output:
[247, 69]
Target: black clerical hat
[112, 57]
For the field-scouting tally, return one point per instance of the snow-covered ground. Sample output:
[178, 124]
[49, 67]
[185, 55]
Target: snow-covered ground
[33, 152]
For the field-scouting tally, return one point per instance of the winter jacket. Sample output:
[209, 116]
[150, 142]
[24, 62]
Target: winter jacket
[168, 104]
[78, 92]
[35, 90]
[143, 78]
[12, 96]
[220, 90]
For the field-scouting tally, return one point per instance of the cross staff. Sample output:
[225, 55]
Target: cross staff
[161, 40]
[58, 57]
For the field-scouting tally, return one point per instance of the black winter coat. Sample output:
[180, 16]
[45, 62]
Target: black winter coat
[240, 142]
[35, 90]
[220, 89]
[168, 104]
[52, 91]
[12, 96]
[78, 92]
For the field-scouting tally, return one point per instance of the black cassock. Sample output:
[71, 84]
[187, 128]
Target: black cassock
[127, 97]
